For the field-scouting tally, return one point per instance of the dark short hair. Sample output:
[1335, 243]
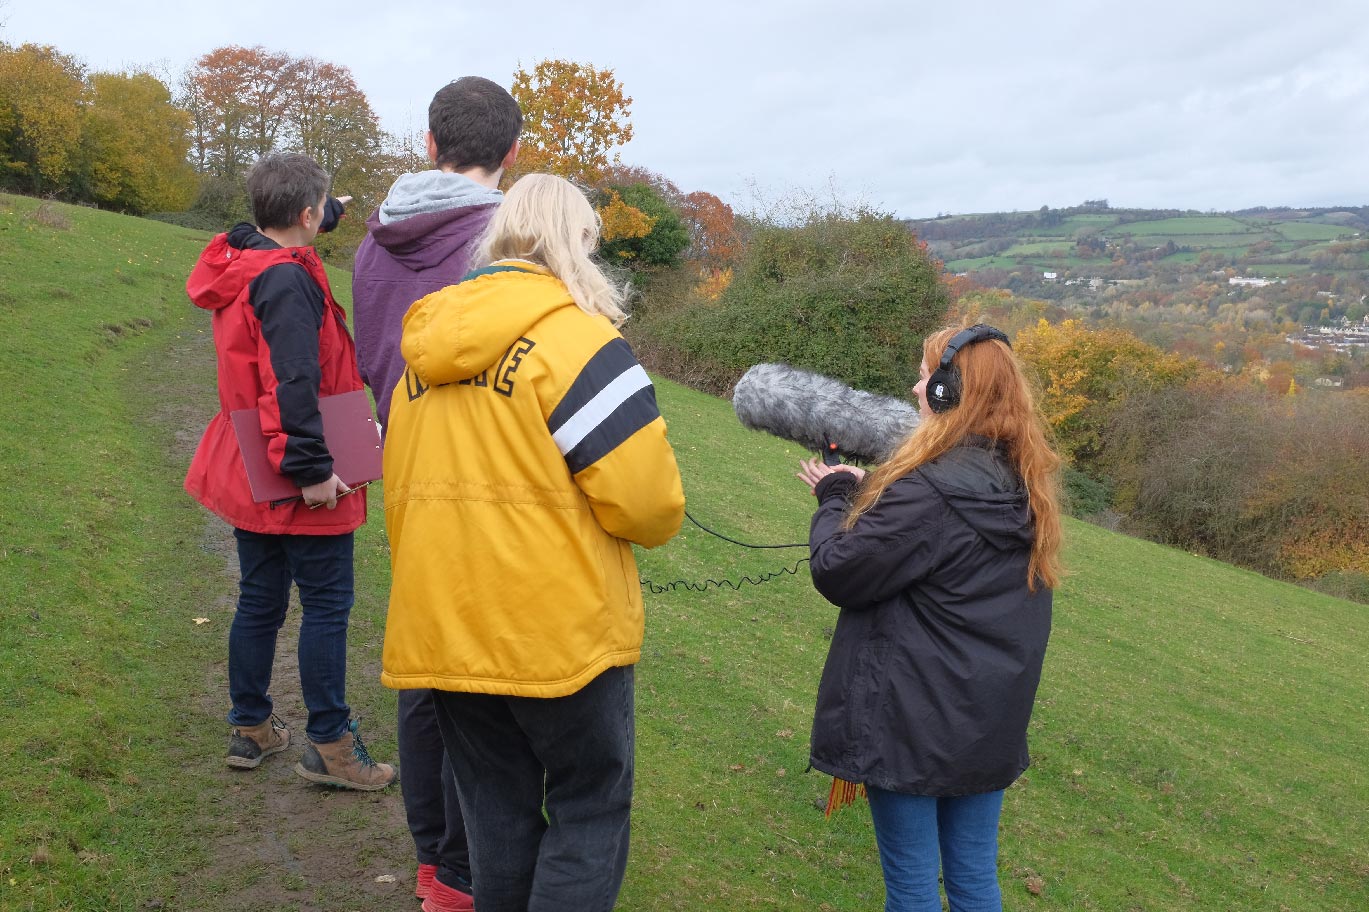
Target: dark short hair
[282, 185]
[474, 122]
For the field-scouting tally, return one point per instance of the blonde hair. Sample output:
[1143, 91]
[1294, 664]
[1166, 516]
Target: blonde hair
[996, 402]
[546, 220]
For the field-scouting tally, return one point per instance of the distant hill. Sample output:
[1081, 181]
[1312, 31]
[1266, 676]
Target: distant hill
[1094, 239]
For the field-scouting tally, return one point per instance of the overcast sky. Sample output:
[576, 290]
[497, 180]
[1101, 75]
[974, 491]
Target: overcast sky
[916, 108]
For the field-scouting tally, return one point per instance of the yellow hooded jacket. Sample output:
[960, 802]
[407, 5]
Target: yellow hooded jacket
[524, 453]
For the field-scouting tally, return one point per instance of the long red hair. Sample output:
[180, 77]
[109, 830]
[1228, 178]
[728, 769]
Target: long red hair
[995, 402]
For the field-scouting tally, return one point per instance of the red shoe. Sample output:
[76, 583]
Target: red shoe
[426, 873]
[442, 898]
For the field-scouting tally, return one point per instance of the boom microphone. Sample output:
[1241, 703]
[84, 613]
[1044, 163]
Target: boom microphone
[822, 414]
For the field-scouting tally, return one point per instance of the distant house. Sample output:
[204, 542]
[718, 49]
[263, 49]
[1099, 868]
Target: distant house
[1050, 276]
[1095, 283]
[1250, 281]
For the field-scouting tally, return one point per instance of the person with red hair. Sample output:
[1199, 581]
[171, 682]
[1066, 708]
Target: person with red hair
[942, 561]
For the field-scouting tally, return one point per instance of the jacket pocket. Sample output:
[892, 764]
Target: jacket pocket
[866, 688]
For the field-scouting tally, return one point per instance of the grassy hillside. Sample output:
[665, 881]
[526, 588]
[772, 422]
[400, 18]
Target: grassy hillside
[1198, 735]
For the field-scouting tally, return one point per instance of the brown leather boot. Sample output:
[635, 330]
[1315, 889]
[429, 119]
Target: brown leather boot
[248, 746]
[345, 764]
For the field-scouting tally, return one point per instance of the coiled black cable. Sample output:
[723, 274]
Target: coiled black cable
[735, 585]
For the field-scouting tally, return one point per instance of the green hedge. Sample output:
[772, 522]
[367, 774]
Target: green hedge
[849, 297]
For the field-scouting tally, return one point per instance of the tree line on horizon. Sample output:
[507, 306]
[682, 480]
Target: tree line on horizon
[179, 150]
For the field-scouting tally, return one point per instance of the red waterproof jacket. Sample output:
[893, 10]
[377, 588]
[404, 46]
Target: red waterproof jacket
[282, 343]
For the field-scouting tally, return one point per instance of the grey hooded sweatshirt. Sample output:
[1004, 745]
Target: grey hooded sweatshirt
[420, 240]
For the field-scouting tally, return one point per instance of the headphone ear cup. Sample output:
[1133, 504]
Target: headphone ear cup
[943, 389]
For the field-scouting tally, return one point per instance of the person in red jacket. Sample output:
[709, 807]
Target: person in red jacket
[282, 343]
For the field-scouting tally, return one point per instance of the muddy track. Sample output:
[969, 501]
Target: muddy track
[273, 840]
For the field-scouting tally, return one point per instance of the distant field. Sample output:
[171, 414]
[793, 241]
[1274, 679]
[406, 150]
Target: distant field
[1186, 225]
[1204, 241]
[1075, 222]
[1032, 248]
[993, 262]
[1310, 231]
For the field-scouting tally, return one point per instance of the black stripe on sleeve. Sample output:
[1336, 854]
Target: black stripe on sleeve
[636, 412]
[606, 366]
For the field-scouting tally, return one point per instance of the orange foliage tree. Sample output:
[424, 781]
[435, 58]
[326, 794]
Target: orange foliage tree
[574, 119]
[247, 102]
[237, 101]
[621, 220]
[713, 239]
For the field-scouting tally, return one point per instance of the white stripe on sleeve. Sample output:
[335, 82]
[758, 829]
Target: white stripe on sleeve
[592, 413]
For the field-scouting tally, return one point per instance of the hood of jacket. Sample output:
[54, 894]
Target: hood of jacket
[977, 482]
[422, 242]
[456, 333]
[428, 192]
[229, 263]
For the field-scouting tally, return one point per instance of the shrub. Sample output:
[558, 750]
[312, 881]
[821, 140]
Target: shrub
[1085, 497]
[1276, 484]
[846, 295]
[662, 244]
[1345, 584]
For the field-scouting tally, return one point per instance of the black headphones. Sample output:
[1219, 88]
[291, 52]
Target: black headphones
[943, 386]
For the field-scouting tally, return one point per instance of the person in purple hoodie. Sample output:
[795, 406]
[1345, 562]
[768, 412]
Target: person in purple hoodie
[421, 239]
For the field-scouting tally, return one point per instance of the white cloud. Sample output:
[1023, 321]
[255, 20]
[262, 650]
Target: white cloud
[918, 107]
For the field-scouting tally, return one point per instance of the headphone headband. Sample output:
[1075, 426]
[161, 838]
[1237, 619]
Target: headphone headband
[980, 332]
[943, 385]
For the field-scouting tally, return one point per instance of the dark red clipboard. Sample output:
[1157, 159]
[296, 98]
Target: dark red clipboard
[352, 435]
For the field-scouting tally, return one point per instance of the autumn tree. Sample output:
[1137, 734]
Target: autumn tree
[665, 238]
[246, 102]
[575, 117]
[1083, 376]
[237, 100]
[620, 221]
[134, 143]
[327, 117]
[714, 242]
[40, 122]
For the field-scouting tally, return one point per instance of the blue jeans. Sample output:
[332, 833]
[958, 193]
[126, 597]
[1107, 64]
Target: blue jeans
[431, 805]
[919, 835]
[321, 566]
[573, 755]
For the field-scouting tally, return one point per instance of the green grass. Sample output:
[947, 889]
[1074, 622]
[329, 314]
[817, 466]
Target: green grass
[1198, 740]
[98, 554]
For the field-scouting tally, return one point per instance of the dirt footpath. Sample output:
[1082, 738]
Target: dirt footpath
[273, 840]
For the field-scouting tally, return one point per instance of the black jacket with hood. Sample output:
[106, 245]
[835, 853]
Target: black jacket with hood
[933, 668]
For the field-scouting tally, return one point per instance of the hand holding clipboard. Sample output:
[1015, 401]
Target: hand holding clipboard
[352, 436]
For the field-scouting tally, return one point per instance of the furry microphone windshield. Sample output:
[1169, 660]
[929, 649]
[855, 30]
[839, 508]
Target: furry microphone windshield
[816, 411]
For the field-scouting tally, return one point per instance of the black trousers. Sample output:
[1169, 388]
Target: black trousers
[430, 800]
[573, 757]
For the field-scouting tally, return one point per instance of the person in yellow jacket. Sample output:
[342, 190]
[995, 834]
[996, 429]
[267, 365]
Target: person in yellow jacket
[525, 455]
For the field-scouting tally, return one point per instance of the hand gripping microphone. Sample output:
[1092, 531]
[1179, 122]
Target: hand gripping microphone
[822, 414]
